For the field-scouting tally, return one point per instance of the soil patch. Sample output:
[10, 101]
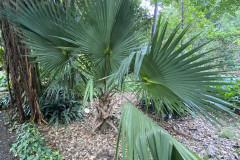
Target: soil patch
[6, 139]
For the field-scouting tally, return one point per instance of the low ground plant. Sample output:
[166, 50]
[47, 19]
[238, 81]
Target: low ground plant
[227, 133]
[30, 146]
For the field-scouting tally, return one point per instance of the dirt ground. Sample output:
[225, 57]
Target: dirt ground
[6, 139]
[78, 142]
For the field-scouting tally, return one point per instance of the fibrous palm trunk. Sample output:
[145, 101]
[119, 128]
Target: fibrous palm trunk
[104, 112]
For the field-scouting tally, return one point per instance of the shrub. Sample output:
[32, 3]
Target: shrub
[233, 92]
[59, 106]
[30, 146]
[61, 111]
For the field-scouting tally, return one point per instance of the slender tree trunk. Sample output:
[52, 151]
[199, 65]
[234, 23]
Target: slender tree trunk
[155, 16]
[12, 101]
[7, 76]
[182, 20]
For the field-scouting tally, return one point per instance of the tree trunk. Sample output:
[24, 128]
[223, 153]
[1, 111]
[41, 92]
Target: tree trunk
[104, 112]
[155, 16]
[11, 48]
[23, 74]
[182, 20]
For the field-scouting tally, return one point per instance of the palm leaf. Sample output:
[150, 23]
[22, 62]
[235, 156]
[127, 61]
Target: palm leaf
[42, 23]
[178, 81]
[108, 32]
[143, 139]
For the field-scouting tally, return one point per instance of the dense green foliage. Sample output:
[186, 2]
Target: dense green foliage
[217, 6]
[30, 146]
[222, 29]
[231, 93]
[61, 111]
[59, 105]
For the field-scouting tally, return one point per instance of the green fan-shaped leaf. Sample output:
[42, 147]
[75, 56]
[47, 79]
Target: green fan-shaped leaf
[175, 80]
[42, 23]
[108, 32]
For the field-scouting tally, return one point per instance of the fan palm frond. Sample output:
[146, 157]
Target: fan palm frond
[108, 32]
[42, 23]
[178, 81]
[146, 139]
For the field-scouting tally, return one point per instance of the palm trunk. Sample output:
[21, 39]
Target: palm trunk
[104, 112]
[104, 108]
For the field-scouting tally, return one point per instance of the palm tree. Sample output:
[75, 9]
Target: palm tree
[96, 43]
[105, 40]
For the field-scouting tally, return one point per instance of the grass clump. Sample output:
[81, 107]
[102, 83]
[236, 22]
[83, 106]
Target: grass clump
[227, 133]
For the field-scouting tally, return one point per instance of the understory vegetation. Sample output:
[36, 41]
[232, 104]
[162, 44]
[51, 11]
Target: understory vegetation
[29, 145]
[57, 57]
[60, 110]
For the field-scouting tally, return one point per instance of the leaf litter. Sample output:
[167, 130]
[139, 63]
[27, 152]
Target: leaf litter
[78, 142]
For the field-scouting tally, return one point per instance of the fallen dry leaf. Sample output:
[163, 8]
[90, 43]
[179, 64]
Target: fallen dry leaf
[77, 141]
